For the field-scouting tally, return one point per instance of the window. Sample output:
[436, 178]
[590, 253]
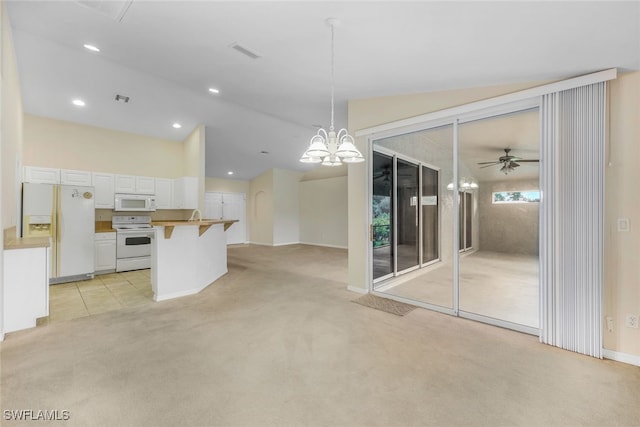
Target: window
[529, 196]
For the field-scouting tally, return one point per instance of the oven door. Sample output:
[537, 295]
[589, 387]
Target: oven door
[134, 243]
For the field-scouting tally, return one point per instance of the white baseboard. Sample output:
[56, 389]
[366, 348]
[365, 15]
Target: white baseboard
[260, 244]
[323, 245]
[631, 359]
[286, 244]
[357, 290]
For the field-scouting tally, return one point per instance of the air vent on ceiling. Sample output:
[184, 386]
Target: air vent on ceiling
[114, 9]
[245, 51]
[122, 98]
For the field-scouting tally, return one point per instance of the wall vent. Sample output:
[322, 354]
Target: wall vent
[245, 51]
[122, 98]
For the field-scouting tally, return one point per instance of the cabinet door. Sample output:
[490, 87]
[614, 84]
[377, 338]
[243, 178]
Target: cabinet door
[73, 177]
[105, 255]
[26, 287]
[185, 193]
[164, 193]
[104, 186]
[145, 185]
[38, 175]
[125, 184]
[213, 205]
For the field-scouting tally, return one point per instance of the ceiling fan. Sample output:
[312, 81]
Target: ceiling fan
[384, 173]
[508, 162]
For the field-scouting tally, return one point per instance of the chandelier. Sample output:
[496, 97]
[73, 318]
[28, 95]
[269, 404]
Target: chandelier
[331, 148]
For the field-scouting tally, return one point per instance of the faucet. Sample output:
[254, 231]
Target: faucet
[193, 215]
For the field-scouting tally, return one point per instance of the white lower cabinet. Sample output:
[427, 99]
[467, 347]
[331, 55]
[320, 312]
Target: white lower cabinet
[105, 252]
[26, 287]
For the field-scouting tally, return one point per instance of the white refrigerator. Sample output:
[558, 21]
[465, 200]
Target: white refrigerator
[67, 214]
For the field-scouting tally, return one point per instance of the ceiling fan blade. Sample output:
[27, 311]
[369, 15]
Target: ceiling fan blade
[489, 163]
[488, 166]
[528, 161]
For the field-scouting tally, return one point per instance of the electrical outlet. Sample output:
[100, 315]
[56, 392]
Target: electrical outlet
[631, 321]
[609, 323]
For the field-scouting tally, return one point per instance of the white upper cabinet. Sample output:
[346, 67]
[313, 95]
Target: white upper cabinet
[73, 177]
[132, 184]
[185, 193]
[38, 175]
[164, 193]
[145, 185]
[125, 184]
[104, 188]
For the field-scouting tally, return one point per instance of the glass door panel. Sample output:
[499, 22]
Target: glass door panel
[424, 216]
[499, 270]
[407, 213]
[382, 216]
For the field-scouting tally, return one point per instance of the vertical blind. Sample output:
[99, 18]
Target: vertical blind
[571, 218]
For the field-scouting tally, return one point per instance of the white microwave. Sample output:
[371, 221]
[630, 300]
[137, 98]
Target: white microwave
[135, 202]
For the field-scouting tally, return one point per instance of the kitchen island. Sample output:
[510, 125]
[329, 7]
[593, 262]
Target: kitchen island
[187, 256]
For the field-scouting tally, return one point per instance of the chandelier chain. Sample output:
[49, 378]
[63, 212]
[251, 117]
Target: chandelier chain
[332, 78]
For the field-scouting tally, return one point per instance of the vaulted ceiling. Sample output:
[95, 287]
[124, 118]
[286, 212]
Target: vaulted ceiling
[165, 55]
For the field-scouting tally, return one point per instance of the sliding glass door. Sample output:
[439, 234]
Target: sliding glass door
[407, 241]
[382, 214]
[420, 222]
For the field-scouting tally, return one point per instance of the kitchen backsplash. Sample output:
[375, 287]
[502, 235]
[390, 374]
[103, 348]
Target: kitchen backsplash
[161, 215]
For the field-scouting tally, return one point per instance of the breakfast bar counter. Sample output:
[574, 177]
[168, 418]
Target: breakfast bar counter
[187, 256]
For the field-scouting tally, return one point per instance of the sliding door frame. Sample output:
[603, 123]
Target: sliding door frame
[510, 103]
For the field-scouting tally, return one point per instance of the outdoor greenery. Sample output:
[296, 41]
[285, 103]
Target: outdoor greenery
[516, 197]
[381, 221]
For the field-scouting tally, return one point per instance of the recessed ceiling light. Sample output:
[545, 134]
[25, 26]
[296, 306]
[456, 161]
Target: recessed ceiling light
[91, 47]
[213, 90]
[177, 125]
[230, 173]
[78, 103]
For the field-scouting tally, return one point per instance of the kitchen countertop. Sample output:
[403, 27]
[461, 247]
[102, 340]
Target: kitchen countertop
[203, 224]
[11, 241]
[104, 227]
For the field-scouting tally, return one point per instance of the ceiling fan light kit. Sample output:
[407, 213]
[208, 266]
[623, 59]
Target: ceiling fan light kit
[329, 148]
[465, 184]
[508, 162]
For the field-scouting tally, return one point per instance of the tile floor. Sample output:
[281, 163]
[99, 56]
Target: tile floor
[103, 293]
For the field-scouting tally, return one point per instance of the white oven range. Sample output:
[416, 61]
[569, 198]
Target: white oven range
[134, 236]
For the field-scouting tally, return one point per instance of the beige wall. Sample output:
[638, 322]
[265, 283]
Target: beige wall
[260, 209]
[323, 212]
[194, 160]
[286, 219]
[508, 227]
[65, 145]
[11, 128]
[622, 249]
[227, 185]
[622, 270]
